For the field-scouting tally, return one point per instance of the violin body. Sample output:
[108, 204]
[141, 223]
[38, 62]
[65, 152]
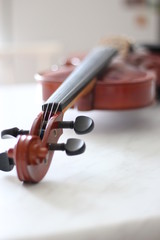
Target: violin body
[122, 85]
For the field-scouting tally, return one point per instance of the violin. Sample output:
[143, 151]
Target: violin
[98, 82]
[33, 152]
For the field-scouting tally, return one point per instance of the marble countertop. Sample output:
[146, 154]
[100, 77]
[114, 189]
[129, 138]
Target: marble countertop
[109, 192]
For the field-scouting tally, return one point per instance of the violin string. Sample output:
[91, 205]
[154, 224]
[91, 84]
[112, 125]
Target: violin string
[44, 118]
[57, 107]
[51, 110]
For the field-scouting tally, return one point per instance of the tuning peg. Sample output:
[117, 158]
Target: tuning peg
[14, 132]
[6, 163]
[82, 125]
[72, 147]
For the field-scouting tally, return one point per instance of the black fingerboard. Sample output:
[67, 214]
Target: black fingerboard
[94, 62]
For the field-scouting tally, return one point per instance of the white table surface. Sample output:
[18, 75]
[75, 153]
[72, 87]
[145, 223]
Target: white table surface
[112, 191]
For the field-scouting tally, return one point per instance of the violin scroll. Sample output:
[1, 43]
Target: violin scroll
[32, 155]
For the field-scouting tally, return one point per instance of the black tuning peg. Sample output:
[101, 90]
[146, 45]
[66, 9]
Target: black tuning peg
[6, 163]
[81, 125]
[72, 147]
[14, 132]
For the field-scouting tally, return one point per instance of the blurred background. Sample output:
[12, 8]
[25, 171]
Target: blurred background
[35, 34]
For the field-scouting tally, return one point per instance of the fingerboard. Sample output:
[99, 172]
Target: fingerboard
[94, 62]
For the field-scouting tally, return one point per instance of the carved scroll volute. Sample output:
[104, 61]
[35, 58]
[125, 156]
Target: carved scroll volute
[31, 154]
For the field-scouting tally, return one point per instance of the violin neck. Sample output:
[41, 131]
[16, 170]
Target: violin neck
[79, 79]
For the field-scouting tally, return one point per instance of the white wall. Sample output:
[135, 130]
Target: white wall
[78, 24]
[6, 20]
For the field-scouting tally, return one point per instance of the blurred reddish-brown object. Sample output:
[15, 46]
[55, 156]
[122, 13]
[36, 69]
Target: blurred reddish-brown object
[150, 61]
[120, 86]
